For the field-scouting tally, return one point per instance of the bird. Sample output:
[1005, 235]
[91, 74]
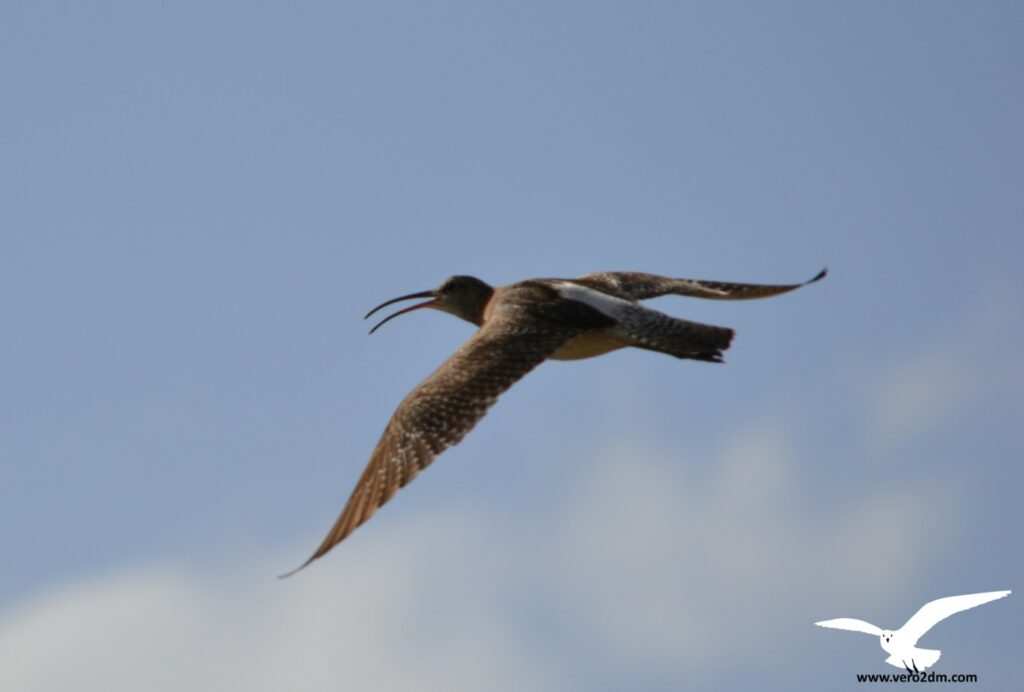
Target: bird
[520, 326]
[901, 644]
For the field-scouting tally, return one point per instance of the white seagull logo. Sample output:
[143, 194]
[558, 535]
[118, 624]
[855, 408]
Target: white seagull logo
[901, 645]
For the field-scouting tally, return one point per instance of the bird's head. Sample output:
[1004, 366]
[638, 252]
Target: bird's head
[462, 296]
[886, 636]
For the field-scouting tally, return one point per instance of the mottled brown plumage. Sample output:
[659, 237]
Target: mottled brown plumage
[521, 325]
[640, 286]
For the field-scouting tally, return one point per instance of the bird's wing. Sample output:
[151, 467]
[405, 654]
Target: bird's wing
[446, 406]
[934, 612]
[639, 286]
[851, 624]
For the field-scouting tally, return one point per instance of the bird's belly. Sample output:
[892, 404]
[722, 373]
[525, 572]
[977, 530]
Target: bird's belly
[911, 655]
[588, 345]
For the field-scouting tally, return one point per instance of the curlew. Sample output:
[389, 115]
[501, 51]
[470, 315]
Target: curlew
[520, 326]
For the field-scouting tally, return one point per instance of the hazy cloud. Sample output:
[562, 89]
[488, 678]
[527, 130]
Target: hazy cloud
[657, 559]
[975, 358]
[373, 621]
[674, 568]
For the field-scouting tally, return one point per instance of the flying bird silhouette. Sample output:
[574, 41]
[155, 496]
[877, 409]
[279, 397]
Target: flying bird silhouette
[522, 325]
[901, 645]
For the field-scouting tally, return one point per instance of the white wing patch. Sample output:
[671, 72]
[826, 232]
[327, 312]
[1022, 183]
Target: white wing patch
[851, 625]
[609, 305]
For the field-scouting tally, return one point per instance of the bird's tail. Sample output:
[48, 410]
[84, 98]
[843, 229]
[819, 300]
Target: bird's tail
[915, 658]
[676, 337]
[927, 656]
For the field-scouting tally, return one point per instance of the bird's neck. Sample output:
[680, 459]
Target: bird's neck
[471, 308]
[477, 307]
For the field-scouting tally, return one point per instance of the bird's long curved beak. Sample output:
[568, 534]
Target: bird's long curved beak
[421, 294]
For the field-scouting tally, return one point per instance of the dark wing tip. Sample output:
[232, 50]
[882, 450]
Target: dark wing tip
[818, 277]
[298, 569]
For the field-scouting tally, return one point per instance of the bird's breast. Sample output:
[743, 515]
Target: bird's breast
[589, 344]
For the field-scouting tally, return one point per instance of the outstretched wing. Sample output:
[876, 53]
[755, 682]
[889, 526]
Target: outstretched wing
[446, 406]
[851, 624]
[640, 286]
[934, 612]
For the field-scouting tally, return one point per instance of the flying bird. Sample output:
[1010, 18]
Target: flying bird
[901, 645]
[520, 326]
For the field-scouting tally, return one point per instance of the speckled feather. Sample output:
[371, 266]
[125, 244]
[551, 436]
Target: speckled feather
[526, 326]
[656, 331]
[640, 286]
[521, 325]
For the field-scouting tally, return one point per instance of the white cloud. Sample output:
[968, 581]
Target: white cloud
[975, 358]
[674, 570]
[372, 621]
[920, 393]
[658, 566]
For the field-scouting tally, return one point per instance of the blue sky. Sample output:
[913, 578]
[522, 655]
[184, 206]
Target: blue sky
[199, 203]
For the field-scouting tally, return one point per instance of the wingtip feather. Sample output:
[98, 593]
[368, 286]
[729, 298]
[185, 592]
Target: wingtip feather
[298, 569]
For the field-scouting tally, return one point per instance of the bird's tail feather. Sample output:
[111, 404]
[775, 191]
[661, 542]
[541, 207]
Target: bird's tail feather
[684, 339]
[917, 658]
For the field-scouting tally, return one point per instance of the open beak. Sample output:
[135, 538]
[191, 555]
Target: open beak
[421, 294]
